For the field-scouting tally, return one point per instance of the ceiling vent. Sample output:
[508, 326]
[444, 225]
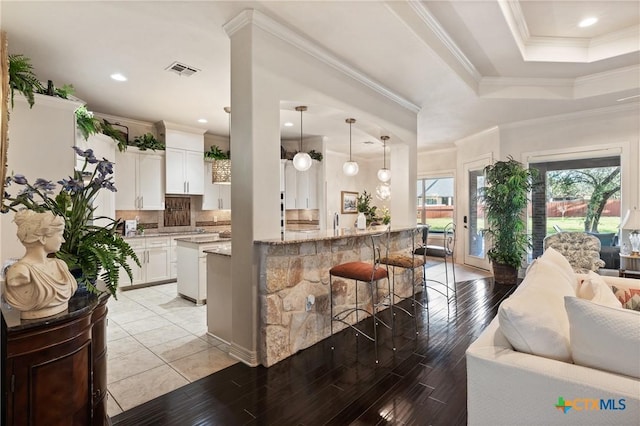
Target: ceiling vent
[182, 69]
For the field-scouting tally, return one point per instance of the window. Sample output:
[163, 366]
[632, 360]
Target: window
[577, 195]
[435, 202]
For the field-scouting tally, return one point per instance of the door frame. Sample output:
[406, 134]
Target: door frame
[477, 164]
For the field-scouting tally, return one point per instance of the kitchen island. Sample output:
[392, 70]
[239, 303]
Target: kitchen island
[220, 294]
[294, 285]
[192, 265]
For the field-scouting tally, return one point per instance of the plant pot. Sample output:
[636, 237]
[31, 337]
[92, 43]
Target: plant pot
[504, 274]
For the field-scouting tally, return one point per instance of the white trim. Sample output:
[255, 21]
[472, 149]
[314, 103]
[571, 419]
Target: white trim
[114, 119]
[566, 49]
[574, 153]
[49, 101]
[166, 125]
[572, 116]
[451, 173]
[243, 354]
[434, 26]
[289, 36]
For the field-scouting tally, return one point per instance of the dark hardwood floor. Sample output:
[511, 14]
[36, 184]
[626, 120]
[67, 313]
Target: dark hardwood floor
[422, 382]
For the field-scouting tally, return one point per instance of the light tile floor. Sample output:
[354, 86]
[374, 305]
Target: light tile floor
[157, 342]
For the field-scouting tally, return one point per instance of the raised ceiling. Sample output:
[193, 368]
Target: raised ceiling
[464, 65]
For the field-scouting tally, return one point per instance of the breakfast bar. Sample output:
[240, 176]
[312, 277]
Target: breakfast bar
[294, 284]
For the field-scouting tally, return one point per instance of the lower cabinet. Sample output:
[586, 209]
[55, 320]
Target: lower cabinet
[55, 369]
[154, 254]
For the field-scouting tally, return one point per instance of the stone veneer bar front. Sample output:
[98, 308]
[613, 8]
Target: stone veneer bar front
[296, 266]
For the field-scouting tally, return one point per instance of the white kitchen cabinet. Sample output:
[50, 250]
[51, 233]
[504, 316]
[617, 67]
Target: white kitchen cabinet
[301, 188]
[138, 177]
[217, 196]
[154, 254]
[184, 159]
[105, 201]
[185, 172]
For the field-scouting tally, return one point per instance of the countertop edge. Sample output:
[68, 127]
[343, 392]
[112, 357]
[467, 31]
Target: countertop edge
[293, 237]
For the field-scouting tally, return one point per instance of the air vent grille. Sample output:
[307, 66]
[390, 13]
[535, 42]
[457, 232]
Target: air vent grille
[182, 69]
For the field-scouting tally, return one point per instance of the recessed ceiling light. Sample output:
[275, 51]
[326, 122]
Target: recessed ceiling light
[118, 77]
[202, 120]
[288, 124]
[587, 22]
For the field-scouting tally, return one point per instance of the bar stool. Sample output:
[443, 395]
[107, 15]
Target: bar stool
[359, 271]
[446, 252]
[408, 261]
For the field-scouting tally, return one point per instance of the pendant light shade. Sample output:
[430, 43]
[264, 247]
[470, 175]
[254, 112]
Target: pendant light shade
[221, 169]
[384, 174]
[350, 168]
[383, 191]
[302, 160]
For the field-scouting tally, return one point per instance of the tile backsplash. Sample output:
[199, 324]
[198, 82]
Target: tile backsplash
[155, 220]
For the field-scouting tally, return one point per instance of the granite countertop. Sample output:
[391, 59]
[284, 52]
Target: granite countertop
[293, 237]
[169, 234]
[203, 239]
[222, 250]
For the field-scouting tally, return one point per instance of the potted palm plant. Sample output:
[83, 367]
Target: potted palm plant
[505, 199]
[89, 251]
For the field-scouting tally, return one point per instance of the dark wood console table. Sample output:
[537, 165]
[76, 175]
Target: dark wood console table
[55, 368]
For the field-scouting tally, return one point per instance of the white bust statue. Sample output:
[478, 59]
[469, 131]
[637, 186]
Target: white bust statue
[37, 285]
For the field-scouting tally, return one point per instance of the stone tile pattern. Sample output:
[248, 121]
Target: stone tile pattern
[291, 272]
[157, 342]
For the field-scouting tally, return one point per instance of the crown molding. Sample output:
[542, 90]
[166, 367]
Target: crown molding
[419, 20]
[278, 30]
[566, 49]
[620, 79]
[558, 118]
[434, 26]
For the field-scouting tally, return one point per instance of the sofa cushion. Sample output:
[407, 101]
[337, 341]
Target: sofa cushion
[593, 288]
[533, 319]
[628, 297]
[603, 337]
[556, 258]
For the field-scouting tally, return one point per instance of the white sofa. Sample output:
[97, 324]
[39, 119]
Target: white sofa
[506, 386]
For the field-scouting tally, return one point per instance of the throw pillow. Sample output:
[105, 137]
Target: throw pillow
[603, 337]
[629, 297]
[595, 289]
[534, 319]
[556, 258]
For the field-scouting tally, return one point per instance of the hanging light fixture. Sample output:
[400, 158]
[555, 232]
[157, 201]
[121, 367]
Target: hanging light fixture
[384, 174]
[350, 168]
[383, 191]
[221, 169]
[302, 160]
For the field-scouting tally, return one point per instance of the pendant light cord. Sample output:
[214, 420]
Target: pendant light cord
[384, 154]
[301, 130]
[350, 141]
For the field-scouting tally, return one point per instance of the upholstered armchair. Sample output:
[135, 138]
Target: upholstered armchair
[582, 250]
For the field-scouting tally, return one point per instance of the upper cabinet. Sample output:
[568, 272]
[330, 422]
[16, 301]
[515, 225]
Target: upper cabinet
[139, 180]
[217, 196]
[105, 201]
[301, 188]
[184, 159]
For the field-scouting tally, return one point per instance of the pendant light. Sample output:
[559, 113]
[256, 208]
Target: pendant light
[302, 160]
[221, 169]
[383, 191]
[350, 168]
[384, 174]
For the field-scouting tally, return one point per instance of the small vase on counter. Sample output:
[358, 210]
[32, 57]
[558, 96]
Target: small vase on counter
[361, 223]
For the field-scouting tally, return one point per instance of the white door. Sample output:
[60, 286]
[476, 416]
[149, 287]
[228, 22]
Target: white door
[125, 179]
[150, 185]
[473, 219]
[158, 264]
[175, 180]
[194, 172]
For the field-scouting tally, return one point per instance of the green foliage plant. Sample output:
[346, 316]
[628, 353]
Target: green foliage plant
[90, 251]
[315, 155]
[87, 123]
[148, 141]
[363, 203]
[115, 134]
[22, 78]
[505, 198]
[215, 153]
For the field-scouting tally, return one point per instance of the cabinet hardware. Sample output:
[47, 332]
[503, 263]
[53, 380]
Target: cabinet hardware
[13, 383]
